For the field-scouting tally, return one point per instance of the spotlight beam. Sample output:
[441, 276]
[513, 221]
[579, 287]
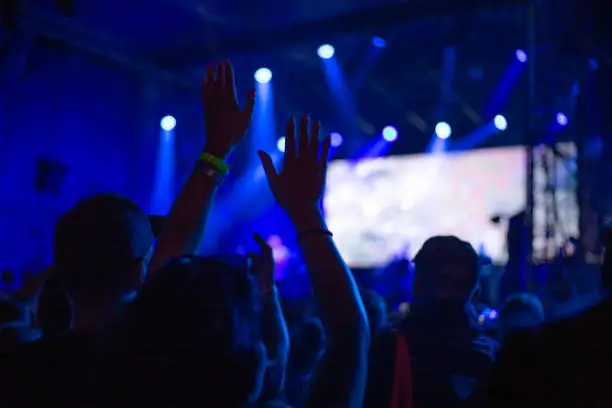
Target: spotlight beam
[378, 17]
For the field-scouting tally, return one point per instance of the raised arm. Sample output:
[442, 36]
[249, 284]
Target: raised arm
[226, 125]
[339, 380]
[275, 333]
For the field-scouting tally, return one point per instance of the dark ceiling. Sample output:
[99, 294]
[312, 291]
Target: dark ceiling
[172, 39]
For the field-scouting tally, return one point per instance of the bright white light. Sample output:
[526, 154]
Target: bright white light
[326, 51]
[561, 119]
[389, 133]
[443, 130]
[336, 139]
[500, 122]
[168, 123]
[280, 144]
[263, 75]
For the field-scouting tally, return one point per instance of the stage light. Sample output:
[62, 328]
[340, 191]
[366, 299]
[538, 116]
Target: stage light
[280, 144]
[500, 122]
[561, 119]
[443, 130]
[521, 56]
[326, 51]
[168, 123]
[379, 42]
[263, 75]
[336, 139]
[389, 133]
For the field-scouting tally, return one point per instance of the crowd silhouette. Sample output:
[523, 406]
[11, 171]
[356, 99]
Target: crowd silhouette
[129, 315]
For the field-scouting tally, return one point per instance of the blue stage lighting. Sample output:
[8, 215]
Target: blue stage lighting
[168, 123]
[389, 133]
[443, 130]
[379, 42]
[326, 51]
[561, 119]
[336, 139]
[263, 75]
[280, 144]
[521, 56]
[500, 122]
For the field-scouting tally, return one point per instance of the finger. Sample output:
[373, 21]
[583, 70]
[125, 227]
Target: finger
[313, 147]
[228, 74]
[324, 158]
[220, 83]
[208, 83]
[249, 104]
[254, 260]
[264, 248]
[303, 136]
[268, 166]
[210, 75]
[290, 152]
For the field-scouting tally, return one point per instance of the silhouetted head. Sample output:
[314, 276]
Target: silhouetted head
[101, 249]
[446, 269]
[192, 334]
[520, 311]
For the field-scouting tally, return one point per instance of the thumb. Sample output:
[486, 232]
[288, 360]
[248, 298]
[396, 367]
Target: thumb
[268, 166]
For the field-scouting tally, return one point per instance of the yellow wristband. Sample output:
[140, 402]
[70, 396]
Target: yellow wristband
[215, 162]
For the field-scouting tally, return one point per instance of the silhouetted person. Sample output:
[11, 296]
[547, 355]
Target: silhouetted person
[564, 364]
[101, 251]
[447, 357]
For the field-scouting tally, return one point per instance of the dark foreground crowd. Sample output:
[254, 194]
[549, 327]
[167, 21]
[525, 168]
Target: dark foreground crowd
[124, 318]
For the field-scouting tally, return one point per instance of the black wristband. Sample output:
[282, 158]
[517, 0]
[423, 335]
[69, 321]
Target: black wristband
[312, 231]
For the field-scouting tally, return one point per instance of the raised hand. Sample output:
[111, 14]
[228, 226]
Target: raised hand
[264, 264]
[299, 185]
[226, 121]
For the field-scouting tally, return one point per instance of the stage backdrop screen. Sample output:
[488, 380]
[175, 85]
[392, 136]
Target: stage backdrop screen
[383, 208]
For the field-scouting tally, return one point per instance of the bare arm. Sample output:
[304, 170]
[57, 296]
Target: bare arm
[339, 380]
[340, 377]
[226, 125]
[274, 330]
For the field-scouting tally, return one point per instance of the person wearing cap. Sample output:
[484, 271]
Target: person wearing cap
[447, 357]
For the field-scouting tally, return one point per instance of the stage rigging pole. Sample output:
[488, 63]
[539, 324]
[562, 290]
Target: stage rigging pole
[526, 269]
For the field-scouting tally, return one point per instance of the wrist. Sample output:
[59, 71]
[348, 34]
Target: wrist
[219, 153]
[307, 218]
